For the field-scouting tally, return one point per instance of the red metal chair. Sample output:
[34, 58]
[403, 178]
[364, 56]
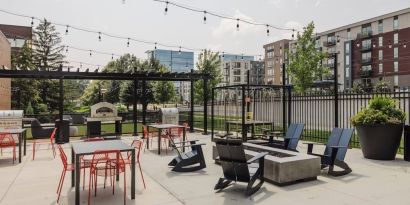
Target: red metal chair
[86, 160]
[7, 140]
[66, 168]
[137, 144]
[148, 136]
[46, 141]
[106, 163]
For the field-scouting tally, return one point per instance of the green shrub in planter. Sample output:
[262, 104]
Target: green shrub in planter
[380, 127]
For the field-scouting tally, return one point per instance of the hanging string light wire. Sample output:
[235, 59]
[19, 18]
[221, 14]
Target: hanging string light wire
[106, 34]
[222, 16]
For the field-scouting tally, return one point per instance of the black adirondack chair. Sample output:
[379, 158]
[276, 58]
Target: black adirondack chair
[190, 161]
[291, 138]
[236, 167]
[335, 151]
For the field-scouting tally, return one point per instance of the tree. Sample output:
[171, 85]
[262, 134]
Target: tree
[305, 62]
[47, 55]
[208, 63]
[164, 91]
[47, 52]
[25, 90]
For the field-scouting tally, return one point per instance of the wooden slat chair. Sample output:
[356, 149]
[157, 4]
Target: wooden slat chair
[291, 138]
[335, 151]
[187, 161]
[236, 168]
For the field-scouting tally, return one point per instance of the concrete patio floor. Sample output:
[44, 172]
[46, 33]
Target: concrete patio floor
[371, 182]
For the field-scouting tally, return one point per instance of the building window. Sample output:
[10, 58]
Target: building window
[349, 35]
[366, 56]
[396, 80]
[396, 38]
[380, 26]
[380, 41]
[347, 72]
[237, 79]
[396, 66]
[347, 60]
[366, 43]
[347, 48]
[380, 55]
[395, 23]
[366, 67]
[366, 29]
[380, 68]
[396, 52]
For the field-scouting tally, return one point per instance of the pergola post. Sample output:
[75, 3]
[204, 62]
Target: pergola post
[134, 108]
[205, 105]
[61, 107]
[191, 104]
[144, 102]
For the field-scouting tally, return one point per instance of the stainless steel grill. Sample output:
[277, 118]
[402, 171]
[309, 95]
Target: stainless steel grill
[11, 118]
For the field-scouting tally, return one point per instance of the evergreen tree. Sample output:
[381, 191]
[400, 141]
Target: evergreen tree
[47, 55]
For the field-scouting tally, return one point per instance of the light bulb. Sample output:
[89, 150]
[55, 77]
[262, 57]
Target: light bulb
[32, 21]
[267, 30]
[237, 24]
[66, 30]
[128, 42]
[204, 17]
[99, 36]
[166, 8]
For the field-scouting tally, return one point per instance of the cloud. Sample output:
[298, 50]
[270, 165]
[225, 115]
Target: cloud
[227, 27]
[276, 3]
[317, 3]
[214, 47]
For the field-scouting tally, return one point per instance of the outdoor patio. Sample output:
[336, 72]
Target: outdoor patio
[371, 182]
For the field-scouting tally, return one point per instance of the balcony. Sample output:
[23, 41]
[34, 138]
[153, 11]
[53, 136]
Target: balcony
[366, 48]
[329, 43]
[366, 61]
[330, 64]
[366, 73]
[364, 35]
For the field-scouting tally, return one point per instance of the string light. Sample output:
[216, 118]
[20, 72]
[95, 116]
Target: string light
[155, 46]
[293, 34]
[222, 16]
[90, 53]
[66, 49]
[128, 42]
[32, 21]
[237, 24]
[115, 36]
[179, 51]
[267, 29]
[166, 8]
[66, 30]
[112, 56]
[223, 54]
[99, 36]
[204, 17]
[242, 57]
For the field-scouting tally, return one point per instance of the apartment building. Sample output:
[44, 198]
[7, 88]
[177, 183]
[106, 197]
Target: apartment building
[370, 50]
[275, 56]
[257, 73]
[5, 62]
[234, 69]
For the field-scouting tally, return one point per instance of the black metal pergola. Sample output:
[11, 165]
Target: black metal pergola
[132, 75]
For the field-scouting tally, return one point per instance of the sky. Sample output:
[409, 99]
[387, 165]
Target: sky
[145, 20]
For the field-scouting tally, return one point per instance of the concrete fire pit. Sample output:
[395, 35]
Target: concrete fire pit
[283, 167]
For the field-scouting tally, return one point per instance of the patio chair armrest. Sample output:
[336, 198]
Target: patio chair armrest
[337, 147]
[277, 133]
[189, 141]
[313, 143]
[191, 145]
[257, 157]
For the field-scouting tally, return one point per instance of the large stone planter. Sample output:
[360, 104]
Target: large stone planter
[379, 141]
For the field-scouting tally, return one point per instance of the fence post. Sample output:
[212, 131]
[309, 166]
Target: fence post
[206, 105]
[212, 114]
[191, 114]
[283, 97]
[144, 103]
[244, 131]
[336, 88]
[289, 106]
[134, 109]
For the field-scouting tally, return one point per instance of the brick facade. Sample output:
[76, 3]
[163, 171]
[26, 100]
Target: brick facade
[5, 84]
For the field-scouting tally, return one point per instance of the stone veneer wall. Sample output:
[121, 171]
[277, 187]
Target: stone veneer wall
[5, 83]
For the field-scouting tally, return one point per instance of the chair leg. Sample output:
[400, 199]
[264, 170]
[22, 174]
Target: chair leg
[34, 148]
[125, 187]
[61, 187]
[142, 175]
[89, 187]
[222, 183]
[59, 183]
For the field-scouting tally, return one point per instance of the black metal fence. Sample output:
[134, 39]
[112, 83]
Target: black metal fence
[319, 110]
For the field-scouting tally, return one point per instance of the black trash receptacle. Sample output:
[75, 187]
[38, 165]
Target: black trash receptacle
[407, 143]
[63, 131]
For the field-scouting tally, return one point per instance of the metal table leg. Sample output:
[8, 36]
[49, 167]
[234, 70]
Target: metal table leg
[133, 174]
[159, 140]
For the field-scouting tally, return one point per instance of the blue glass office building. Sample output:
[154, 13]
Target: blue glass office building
[175, 61]
[231, 57]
